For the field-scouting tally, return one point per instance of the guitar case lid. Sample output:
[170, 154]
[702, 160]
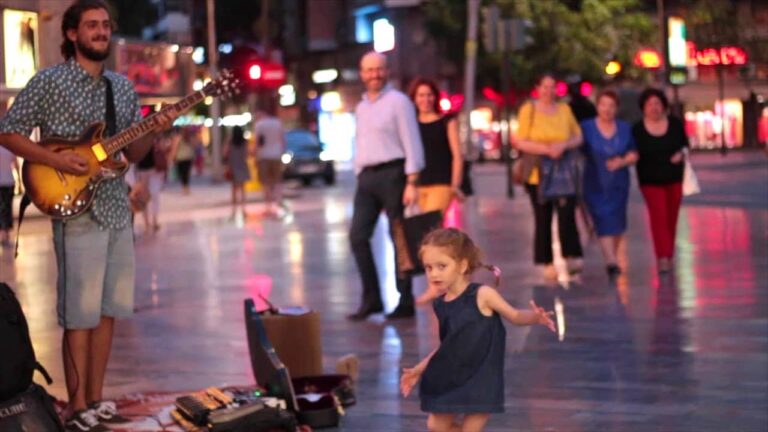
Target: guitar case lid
[314, 399]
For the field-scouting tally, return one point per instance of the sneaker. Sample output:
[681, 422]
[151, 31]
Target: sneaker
[85, 421]
[107, 412]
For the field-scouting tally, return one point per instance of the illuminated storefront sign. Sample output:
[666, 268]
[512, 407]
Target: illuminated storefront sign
[678, 51]
[726, 55]
[20, 45]
[383, 35]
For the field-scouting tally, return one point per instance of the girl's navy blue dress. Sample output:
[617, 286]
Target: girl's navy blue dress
[466, 374]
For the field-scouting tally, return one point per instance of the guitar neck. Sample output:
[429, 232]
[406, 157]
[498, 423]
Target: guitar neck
[141, 129]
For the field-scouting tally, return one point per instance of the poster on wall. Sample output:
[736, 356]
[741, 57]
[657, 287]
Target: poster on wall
[154, 69]
[20, 43]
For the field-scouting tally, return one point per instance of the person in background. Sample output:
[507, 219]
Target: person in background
[152, 171]
[548, 129]
[184, 155]
[236, 155]
[440, 180]
[582, 108]
[610, 150]
[388, 158]
[270, 146]
[8, 165]
[661, 146]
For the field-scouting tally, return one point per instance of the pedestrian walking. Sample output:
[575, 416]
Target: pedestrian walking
[610, 150]
[237, 172]
[270, 146]
[548, 129]
[184, 156]
[661, 145]
[464, 375]
[440, 180]
[388, 158]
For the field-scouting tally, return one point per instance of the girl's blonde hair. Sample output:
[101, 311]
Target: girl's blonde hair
[459, 247]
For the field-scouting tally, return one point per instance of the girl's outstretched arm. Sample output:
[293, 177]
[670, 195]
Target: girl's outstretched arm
[412, 375]
[489, 301]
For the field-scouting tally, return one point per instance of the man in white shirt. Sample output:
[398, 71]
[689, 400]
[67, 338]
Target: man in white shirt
[270, 146]
[388, 158]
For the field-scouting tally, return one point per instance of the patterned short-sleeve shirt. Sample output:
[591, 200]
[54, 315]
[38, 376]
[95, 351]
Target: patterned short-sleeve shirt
[63, 101]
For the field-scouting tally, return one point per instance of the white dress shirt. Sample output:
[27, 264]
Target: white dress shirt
[387, 130]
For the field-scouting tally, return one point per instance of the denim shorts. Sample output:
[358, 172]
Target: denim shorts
[95, 272]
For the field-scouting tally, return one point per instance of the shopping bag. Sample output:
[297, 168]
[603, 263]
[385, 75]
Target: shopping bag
[560, 178]
[407, 234]
[690, 182]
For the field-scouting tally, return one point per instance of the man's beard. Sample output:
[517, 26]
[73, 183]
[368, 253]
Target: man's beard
[92, 54]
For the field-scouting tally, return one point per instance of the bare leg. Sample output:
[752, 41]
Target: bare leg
[474, 422]
[234, 199]
[74, 350]
[442, 423]
[98, 355]
[618, 244]
[608, 247]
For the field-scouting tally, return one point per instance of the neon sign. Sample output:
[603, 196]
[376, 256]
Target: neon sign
[727, 55]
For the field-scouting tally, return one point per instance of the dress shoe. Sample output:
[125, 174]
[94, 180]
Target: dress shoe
[363, 313]
[401, 312]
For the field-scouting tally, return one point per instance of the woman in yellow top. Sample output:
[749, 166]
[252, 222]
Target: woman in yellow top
[547, 128]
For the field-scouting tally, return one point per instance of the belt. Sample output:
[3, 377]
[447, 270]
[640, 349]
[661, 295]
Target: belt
[384, 165]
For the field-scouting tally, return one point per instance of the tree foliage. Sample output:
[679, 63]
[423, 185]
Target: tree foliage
[569, 37]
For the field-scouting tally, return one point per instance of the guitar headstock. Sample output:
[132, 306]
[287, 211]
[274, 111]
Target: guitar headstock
[225, 85]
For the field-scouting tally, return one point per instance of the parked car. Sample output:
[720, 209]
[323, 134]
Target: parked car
[306, 159]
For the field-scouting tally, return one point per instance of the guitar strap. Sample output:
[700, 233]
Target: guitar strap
[111, 120]
[110, 117]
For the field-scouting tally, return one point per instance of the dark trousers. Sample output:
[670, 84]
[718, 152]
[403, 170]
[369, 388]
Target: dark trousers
[566, 227]
[378, 188]
[183, 167]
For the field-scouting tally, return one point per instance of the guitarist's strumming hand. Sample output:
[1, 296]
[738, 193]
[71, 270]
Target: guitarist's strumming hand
[70, 163]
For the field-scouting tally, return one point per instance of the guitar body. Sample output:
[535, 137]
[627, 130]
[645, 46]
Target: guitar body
[65, 196]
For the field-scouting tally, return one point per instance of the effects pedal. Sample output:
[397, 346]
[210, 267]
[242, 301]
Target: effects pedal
[227, 419]
[193, 409]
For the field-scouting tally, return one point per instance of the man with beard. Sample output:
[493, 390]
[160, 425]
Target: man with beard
[95, 257]
[388, 158]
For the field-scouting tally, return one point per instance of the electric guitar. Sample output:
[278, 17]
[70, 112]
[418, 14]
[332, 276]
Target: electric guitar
[65, 196]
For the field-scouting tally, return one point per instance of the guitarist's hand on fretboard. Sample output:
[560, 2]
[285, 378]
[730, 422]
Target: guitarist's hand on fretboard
[165, 117]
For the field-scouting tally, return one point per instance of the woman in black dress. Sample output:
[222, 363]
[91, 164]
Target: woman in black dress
[440, 180]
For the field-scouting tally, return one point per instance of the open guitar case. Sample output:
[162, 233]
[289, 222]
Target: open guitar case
[318, 401]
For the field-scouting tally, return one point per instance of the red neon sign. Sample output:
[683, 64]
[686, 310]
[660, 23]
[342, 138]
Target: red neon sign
[727, 55]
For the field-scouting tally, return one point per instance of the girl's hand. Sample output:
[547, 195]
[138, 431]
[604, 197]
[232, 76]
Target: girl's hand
[676, 158]
[543, 317]
[409, 379]
[426, 298]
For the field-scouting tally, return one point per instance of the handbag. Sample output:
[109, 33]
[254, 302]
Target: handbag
[690, 181]
[560, 178]
[523, 166]
[407, 234]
